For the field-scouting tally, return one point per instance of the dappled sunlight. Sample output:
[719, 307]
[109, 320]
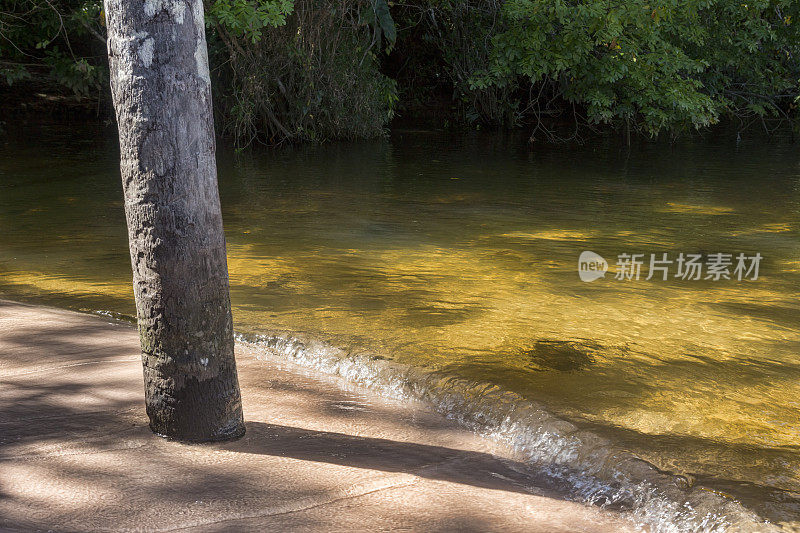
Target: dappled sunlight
[465, 308]
[777, 227]
[554, 235]
[47, 487]
[383, 253]
[48, 282]
[76, 452]
[790, 265]
[692, 209]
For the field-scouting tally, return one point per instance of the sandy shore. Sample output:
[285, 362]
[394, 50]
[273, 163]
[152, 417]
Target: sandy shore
[76, 452]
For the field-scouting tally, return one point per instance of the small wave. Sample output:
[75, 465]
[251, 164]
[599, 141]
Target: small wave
[586, 467]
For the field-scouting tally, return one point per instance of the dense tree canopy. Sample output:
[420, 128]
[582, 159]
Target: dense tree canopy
[322, 69]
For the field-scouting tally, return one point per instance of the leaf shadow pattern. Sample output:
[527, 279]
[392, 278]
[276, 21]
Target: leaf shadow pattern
[76, 452]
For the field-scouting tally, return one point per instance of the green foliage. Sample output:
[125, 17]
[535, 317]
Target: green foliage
[247, 18]
[13, 73]
[78, 75]
[60, 39]
[752, 51]
[618, 60]
[463, 38]
[315, 76]
[376, 14]
[280, 74]
[647, 65]
[316, 69]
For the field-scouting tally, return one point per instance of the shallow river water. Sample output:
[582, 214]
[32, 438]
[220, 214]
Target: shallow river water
[459, 256]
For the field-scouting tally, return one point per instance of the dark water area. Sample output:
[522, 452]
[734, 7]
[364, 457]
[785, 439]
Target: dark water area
[459, 255]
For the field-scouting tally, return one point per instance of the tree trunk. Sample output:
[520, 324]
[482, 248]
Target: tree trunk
[162, 95]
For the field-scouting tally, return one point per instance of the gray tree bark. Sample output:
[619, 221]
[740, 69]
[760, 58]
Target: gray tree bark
[162, 96]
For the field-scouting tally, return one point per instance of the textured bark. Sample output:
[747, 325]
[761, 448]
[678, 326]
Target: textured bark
[162, 96]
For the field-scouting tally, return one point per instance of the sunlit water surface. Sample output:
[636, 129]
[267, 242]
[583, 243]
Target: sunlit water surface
[459, 254]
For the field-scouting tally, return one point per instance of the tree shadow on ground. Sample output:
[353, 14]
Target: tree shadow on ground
[76, 452]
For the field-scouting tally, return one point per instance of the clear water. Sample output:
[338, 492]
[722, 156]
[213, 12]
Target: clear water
[458, 254]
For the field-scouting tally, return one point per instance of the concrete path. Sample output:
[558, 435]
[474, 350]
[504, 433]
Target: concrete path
[76, 453]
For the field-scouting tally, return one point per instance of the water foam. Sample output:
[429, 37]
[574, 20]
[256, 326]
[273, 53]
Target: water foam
[585, 466]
